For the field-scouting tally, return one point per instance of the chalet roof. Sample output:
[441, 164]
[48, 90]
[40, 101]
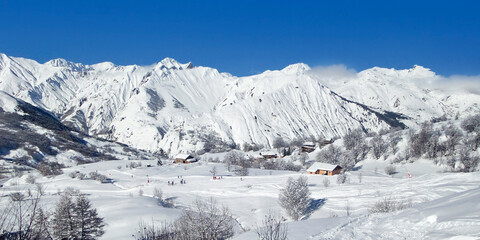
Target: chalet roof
[321, 166]
[183, 156]
[192, 160]
[309, 144]
[268, 154]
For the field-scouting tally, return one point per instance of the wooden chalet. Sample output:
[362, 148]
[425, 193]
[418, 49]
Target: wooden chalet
[324, 169]
[184, 158]
[308, 147]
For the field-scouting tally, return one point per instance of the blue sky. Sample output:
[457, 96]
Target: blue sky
[247, 37]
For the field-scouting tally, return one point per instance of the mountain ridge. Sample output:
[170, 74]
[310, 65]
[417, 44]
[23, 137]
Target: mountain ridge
[174, 107]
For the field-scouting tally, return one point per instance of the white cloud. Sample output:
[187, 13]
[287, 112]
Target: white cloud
[456, 83]
[333, 74]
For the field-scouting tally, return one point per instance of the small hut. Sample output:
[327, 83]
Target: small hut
[324, 169]
[184, 158]
[308, 147]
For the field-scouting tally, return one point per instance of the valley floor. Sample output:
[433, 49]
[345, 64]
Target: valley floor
[444, 205]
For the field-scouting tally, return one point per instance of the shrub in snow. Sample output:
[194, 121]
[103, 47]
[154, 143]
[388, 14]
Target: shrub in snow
[273, 228]
[471, 123]
[326, 182]
[390, 169]
[132, 165]
[153, 232]
[30, 179]
[295, 197]
[97, 176]
[342, 178]
[468, 161]
[77, 174]
[50, 168]
[206, 220]
[389, 204]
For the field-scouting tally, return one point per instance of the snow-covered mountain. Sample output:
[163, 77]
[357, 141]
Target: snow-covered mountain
[412, 92]
[30, 135]
[178, 107]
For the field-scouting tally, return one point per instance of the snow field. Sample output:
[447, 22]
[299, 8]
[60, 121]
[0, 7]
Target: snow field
[444, 205]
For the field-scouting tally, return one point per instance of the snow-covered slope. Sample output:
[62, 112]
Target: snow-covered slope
[30, 135]
[177, 107]
[411, 92]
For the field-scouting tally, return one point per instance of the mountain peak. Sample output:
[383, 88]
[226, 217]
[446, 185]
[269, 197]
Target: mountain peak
[170, 63]
[297, 68]
[60, 62]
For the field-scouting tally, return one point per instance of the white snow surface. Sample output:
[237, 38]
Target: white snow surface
[7, 102]
[444, 205]
[171, 106]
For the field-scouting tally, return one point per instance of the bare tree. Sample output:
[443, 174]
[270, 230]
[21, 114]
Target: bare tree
[273, 228]
[393, 140]
[351, 139]
[379, 146]
[205, 221]
[213, 171]
[153, 232]
[360, 175]
[454, 135]
[19, 214]
[295, 197]
[468, 161]
[331, 154]
[233, 158]
[279, 143]
[471, 123]
[303, 158]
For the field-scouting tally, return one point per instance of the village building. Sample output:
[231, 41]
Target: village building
[268, 155]
[308, 147]
[324, 169]
[184, 158]
[326, 142]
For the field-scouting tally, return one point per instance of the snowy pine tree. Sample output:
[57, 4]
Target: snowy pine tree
[64, 225]
[89, 224]
[76, 219]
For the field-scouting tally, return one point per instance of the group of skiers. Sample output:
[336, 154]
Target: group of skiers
[182, 181]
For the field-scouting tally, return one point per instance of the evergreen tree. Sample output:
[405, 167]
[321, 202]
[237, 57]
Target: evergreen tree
[89, 224]
[76, 219]
[64, 224]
